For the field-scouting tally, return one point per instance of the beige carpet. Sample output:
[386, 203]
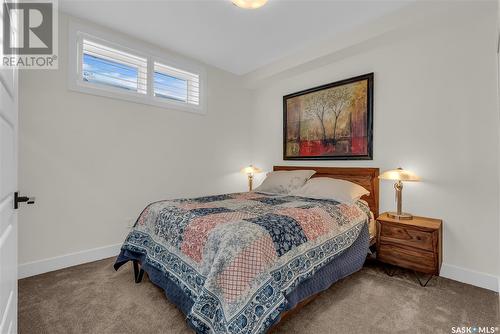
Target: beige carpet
[93, 298]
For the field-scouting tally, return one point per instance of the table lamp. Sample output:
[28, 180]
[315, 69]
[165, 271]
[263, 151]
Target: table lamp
[250, 171]
[399, 175]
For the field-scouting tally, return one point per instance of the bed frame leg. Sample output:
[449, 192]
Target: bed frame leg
[138, 273]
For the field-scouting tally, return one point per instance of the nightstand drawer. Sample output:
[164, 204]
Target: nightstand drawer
[407, 236]
[415, 259]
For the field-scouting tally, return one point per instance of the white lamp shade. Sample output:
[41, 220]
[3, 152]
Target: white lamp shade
[249, 4]
[399, 174]
[251, 170]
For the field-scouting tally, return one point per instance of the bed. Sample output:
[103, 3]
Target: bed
[241, 263]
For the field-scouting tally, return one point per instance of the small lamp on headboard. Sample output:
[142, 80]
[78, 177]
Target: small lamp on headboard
[250, 171]
[399, 175]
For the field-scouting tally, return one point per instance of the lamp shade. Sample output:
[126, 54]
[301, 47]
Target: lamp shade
[251, 170]
[249, 4]
[399, 174]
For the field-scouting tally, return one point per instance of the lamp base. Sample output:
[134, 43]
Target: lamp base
[401, 216]
[250, 182]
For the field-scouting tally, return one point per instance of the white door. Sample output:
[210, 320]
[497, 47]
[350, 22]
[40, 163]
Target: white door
[8, 185]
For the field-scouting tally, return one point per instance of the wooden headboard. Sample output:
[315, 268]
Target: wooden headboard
[365, 177]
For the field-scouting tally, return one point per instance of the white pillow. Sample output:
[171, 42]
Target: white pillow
[335, 189]
[284, 181]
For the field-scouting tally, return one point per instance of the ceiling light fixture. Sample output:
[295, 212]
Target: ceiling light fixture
[249, 4]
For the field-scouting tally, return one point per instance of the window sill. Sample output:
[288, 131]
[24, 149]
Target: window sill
[118, 94]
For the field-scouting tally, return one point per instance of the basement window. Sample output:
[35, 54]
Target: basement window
[106, 66]
[176, 85]
[127, 70]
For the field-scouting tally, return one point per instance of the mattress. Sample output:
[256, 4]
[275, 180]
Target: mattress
[372, 225]
[235, 262]
[372, 228]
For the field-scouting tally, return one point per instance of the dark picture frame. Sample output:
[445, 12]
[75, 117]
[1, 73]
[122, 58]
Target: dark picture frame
[330, 122]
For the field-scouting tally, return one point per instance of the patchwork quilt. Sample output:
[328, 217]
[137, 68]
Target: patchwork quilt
[238, 255]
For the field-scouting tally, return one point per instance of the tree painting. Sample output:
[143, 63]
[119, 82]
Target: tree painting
[330, 122]
[340, 99]
[317, 105]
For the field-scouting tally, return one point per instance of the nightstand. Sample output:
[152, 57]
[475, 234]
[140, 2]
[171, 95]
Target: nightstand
[414, 244]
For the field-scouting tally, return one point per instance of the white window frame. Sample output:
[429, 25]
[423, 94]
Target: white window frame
[79, 31]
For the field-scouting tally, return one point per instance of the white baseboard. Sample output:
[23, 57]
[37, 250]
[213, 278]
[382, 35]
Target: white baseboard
[59, 262]
[482, 280]
[28, 269]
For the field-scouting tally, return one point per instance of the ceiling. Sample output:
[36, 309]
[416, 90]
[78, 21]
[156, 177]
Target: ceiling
[223, 35]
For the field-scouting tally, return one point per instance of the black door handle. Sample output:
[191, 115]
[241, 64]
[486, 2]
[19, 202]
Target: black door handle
[20, 199]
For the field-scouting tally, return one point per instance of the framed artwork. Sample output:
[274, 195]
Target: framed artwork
[330, 122]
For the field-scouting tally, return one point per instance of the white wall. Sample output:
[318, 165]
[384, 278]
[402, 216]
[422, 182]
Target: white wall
[94, 163]
[435, 111]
